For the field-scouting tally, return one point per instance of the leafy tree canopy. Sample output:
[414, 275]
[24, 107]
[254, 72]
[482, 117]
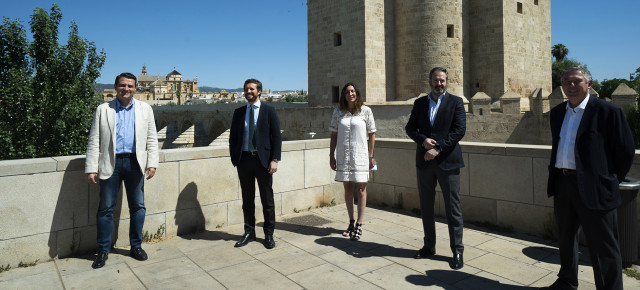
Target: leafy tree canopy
[47, 95]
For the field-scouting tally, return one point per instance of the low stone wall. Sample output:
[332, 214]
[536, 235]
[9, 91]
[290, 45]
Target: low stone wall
[501, 184]
[48, 209]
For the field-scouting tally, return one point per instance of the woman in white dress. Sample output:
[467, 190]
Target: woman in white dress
[351, 154]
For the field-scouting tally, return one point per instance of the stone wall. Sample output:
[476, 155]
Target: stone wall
[48, 209]
[389, 47]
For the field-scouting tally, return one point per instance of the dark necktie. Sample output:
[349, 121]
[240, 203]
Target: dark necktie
[252, 129]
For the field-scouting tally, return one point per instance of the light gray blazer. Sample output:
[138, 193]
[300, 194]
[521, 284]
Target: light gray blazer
[101, 150]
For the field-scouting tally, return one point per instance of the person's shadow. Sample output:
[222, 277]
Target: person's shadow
[73, 225]
[471, 282]
[189, 217]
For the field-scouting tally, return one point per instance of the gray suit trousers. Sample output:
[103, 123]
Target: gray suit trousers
[450, 185]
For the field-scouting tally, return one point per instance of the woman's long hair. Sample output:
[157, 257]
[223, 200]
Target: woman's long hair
[344, 106]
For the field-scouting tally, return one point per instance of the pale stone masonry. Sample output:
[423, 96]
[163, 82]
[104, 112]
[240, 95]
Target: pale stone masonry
[387, 47]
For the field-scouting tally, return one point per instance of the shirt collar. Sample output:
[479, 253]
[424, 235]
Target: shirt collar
[439, 97]
[580, 106]
[121, 107]
[257, 104]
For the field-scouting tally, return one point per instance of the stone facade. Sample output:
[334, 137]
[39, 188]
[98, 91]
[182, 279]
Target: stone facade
[161, 88]
[387, 47]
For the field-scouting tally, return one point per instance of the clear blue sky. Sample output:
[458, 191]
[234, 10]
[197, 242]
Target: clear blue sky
[224, 42]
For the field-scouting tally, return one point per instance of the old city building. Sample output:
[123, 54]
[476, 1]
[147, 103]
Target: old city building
[387, 47]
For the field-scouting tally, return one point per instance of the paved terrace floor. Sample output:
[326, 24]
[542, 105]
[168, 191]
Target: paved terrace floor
[312, 254]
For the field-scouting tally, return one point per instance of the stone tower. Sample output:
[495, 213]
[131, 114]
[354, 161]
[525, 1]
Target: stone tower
[387, 47]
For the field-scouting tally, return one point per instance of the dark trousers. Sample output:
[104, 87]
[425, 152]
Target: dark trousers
[127, 170]
[250, 169]
[600, 229]
[450, 185]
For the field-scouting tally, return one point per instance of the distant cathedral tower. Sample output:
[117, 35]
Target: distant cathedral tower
[387, 47]
[144, 69]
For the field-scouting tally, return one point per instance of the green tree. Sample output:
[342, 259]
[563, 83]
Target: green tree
[47, 90]
[607, 87]
[559, 51]
[557, 67]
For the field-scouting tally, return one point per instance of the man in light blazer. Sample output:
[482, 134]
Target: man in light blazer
[592, 151]
[254, 145]
[123, 146]
[437, 123]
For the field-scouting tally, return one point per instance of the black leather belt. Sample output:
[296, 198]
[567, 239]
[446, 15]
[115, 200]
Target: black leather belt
[565, 171]
[250, 152]
[125, 155]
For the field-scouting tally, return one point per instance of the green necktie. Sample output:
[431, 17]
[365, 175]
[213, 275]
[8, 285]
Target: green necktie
[252, 129]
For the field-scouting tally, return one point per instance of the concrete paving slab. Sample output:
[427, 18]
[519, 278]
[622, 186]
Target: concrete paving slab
[329, 276]
[289, 260]
[356, 260]
[508, 268]
[37, 281]
[111, 276]
[217, 257]
[261, 276]
[484, 280]
[311, 253]
[383, 227]
[517, 251]
[200, 280]
[158, 253]
[157, 273]
[395, 276]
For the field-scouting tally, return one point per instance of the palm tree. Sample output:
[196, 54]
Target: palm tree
[559, 51]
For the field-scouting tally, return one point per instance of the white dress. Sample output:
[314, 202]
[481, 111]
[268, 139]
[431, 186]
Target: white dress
[352, 149]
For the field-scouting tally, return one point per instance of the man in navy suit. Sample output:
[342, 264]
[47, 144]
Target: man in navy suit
[254, 145]
[437, 123]
[592, 151]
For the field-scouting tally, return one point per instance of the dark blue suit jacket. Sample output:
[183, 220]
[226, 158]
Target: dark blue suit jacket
[448, 129]
[268, 137]
[604, 152]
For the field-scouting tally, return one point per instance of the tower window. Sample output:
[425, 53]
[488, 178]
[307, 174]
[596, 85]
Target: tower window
[520, 7]
[450, 30]
[335, 94]
[535, 2]
[337, 39]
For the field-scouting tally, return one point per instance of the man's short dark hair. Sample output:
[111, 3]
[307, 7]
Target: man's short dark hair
[253, 81]
[126, 75]
[438, 69]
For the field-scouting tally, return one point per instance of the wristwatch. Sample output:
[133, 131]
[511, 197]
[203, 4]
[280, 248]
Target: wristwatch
[275, 160]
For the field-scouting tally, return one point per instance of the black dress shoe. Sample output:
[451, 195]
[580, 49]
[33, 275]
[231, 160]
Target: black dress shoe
[425, 252]
[269, 243]
[100, 259]
[246, 238]
[457, 262]
[139, 254]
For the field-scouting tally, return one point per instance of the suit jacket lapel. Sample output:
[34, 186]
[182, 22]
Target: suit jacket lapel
[111, 118]
[137, 127]
[587, 115]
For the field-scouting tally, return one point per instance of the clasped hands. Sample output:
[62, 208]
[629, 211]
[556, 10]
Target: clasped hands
[429, 144]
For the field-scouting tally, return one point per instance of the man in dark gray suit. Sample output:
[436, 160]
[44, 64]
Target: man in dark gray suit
[437, 123]
[592, 151]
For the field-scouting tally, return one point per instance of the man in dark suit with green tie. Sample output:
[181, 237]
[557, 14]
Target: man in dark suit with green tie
[255, 145]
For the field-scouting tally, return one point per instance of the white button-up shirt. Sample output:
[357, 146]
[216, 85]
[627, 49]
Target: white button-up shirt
[566, 158]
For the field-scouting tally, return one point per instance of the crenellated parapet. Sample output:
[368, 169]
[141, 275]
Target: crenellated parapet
[625, 97]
